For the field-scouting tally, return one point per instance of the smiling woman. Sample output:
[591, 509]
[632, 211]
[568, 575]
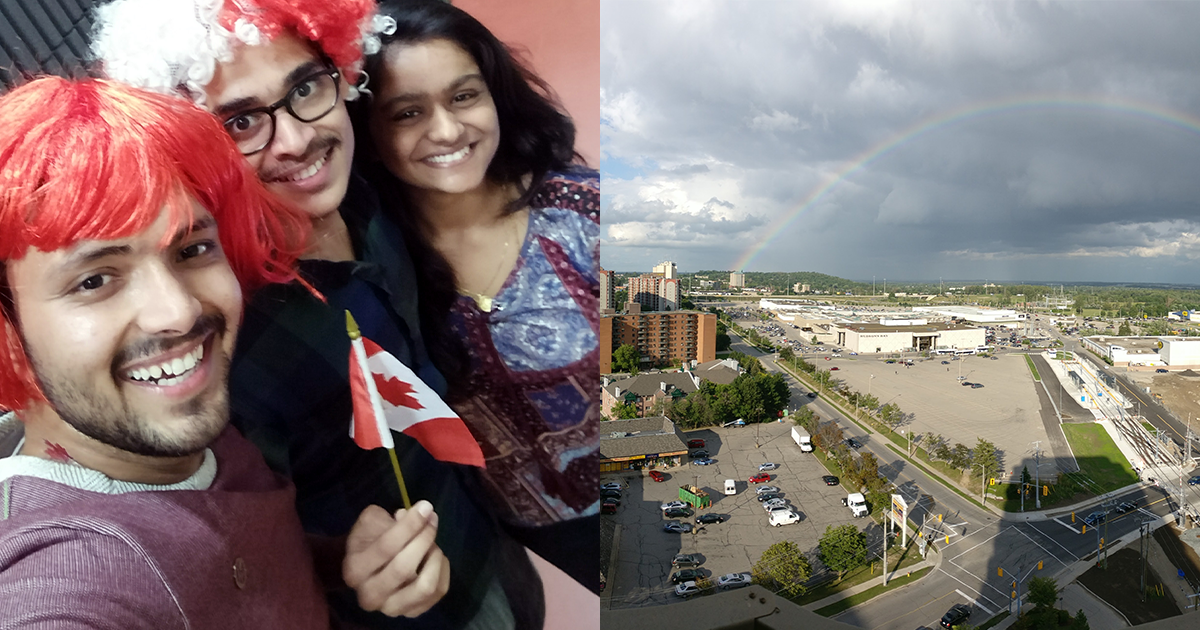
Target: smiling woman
[506, 225]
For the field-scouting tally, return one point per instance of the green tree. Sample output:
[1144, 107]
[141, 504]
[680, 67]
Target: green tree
[786, 354]
[620, 298]
[805, 418]
[814, 340]
[1043, 591]
[723, 342]
[624, 411]
[985, 457]
[1124, 330]
[784, 568]
[626, 358]
[1081, 622]
[891, 415]
[842, 548]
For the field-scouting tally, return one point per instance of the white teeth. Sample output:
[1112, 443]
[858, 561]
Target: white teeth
[169, 372]
[457, 155]
[310, 171]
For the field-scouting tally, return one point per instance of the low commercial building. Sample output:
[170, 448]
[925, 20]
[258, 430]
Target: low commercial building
[640, 443]
[885, 338]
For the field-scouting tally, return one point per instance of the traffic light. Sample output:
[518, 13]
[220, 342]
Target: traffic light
[999, 571]
[1046, 491]
[1083, 530]
[1039, 565]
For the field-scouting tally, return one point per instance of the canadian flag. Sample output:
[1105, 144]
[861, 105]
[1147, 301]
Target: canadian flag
[395, 399]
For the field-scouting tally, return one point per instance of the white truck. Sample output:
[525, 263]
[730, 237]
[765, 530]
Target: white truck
[857, 504]
[802, 439]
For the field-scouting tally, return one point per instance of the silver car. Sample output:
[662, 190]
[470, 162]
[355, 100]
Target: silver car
[766, 490]
[775, 504]
[767, 466]
[733, 580]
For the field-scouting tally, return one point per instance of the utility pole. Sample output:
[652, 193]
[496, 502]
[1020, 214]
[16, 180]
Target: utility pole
[1143, 531]
[1037, 476]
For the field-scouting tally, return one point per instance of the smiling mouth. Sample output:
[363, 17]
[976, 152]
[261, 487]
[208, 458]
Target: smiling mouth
[450, 157]
[308, 172]
[169, 372]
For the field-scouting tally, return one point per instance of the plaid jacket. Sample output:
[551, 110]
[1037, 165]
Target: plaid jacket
[289, 396]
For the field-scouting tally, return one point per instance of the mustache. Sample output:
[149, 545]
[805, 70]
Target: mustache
[318, 145]
[205, 325]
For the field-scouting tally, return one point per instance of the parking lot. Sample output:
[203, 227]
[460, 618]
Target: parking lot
[643, 564]
[1006, 411]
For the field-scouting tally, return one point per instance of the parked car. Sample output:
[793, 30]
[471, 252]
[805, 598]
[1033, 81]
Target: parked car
[767, 466]
[766, 489]
[695, 443]
[976, 385]
[945, 363]
[830, 480]
[678, 512]
[834, 368]
[686, 560]
[687, 589]
[676, 527]
[763, 498]
[853, 443]
[670, 505]
[706, 519]
[611, 485]
[612, 502]
[687, 575]
[957, 614]
[610, 494]
[760, 478]
[1161, 371]
[608, 508]
[774, 503]
[701, 454]
[733, 580]
[704, 461]
[657, 476]
[966, 383]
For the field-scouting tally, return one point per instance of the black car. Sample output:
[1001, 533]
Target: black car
[853, 443]
[700, 454]
[957, 614]
[678, 513]
[811, 394]
[705, 519]
[966, 383]
[830, 480]
[687, 575]
[610, 494]
[1126, 507]
[768, 496]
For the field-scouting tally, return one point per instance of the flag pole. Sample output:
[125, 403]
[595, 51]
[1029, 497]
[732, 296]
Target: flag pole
[360, 355]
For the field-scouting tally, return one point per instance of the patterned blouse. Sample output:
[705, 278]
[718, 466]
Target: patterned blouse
[534, 404]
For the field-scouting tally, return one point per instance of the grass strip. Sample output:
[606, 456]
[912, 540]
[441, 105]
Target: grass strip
[871, 593]
[1098, 456]
[938, 478]
[994, 621]
[1029, 362]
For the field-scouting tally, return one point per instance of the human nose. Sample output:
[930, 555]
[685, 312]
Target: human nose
[292, 137]
[166, 302]
[444, 126]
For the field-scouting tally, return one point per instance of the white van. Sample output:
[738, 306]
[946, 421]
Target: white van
[730, 486]
[783, 518]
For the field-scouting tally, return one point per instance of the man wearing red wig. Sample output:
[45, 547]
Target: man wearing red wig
[276, 74]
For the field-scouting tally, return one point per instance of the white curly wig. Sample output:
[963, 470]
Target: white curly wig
[174, 46]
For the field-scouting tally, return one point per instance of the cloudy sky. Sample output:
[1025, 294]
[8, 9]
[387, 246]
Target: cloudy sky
[1055, 141]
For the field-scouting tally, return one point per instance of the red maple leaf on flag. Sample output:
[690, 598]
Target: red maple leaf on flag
[396, 391]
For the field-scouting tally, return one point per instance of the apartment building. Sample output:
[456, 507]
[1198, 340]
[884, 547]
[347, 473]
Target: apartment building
[667, 338]
[655, 292]
[608, 290]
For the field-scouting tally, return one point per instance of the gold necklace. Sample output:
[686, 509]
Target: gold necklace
[485, 302]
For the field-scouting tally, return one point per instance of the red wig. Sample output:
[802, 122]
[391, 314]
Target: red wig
[98, 160]
[335, 26]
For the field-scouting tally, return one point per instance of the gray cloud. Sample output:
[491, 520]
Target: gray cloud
[1009, 140]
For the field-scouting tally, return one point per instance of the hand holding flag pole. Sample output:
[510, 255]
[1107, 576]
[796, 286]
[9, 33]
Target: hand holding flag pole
[369, 427]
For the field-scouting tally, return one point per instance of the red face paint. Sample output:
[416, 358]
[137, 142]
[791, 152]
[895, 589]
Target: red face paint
[57, 453]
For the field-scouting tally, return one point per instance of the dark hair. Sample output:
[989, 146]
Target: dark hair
[536, 137]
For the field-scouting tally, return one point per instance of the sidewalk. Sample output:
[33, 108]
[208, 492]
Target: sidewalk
[858, 588]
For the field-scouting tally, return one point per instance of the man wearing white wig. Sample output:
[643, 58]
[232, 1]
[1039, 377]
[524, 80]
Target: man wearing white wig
[277, 74]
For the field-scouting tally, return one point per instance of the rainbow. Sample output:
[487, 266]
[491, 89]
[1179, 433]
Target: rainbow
[1148, 111]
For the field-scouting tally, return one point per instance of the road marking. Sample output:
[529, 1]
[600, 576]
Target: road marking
[1066, 524]
[972, 600]
[968, 587]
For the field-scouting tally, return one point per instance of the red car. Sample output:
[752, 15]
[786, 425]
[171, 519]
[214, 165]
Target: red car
[657, 476]
[834, 368]
[697, 443]
[760, 478]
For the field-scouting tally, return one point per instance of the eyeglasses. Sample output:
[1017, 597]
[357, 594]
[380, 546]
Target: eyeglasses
[308, 101]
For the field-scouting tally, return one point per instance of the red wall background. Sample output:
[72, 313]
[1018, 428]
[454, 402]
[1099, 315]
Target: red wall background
[561, 40]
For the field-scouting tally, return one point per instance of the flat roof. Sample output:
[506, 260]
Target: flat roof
[922, 328]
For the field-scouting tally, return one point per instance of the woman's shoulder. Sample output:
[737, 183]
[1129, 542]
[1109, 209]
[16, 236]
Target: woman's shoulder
[575, 188]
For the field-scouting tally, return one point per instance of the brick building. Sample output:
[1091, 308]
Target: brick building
[654, 292]
[669, 338]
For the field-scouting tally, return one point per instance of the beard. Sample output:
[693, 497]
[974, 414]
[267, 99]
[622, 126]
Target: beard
[177, 431]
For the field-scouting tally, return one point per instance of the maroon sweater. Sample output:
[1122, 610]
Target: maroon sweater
[232, 556]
